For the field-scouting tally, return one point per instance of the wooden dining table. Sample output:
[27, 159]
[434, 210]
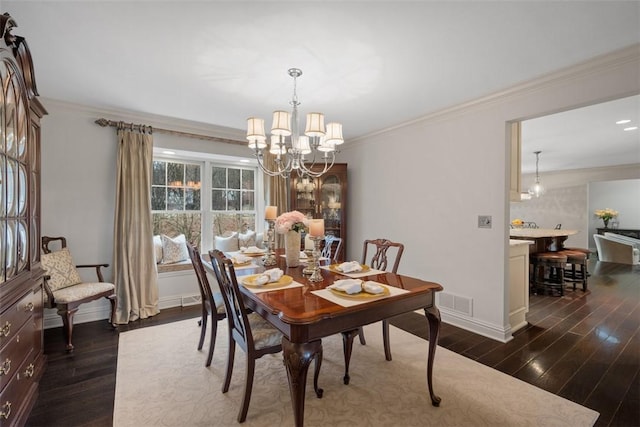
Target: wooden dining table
[304, 318]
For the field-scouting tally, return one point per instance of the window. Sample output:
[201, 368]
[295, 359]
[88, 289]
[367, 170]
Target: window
[203, 199]
[233, 199]
[175, 199]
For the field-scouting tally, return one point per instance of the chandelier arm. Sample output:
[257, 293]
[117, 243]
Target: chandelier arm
[280, 172]
[314, 174]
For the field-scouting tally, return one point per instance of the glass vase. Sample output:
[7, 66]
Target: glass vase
[292, 248]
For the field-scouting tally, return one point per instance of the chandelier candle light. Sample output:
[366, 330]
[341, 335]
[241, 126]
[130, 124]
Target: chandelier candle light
[318, 140]
[316, 233]
[271, 213]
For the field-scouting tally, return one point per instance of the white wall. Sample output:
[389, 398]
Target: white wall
[622, 196]
[424, 183]
[567, 200]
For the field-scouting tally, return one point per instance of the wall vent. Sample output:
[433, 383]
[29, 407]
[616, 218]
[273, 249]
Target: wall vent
[456, 303]
[191, 300]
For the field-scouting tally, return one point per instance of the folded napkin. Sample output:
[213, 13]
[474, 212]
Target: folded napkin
[350, 286]
[272, 275]
[372, 287]
[303, 255]
[240, 259]
[251, 249]
[349, 267]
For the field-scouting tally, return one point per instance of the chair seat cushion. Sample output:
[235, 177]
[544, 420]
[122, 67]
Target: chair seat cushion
[81, 291]
[217, 299]
[264, 335]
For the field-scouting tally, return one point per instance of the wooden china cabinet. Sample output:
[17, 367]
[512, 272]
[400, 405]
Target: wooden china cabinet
[22, 361]
[324, 197]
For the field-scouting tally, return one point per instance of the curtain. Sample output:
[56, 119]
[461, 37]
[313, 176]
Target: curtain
[135, 274]
[278, 192]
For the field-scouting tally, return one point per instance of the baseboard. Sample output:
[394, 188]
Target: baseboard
[481, 328]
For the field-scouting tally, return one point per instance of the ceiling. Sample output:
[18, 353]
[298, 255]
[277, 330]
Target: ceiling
[367, 64]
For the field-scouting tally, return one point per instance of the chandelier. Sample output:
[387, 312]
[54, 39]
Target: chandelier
[289, 147]
[537, 189]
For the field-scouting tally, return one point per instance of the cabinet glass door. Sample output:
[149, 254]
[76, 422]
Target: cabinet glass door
[331, 203]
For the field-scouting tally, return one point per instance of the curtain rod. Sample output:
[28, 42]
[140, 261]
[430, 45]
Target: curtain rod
[105, 123]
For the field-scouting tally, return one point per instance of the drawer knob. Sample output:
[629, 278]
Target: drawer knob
[29, 307]
[6, 329]
[5, 367]
[29, 371]
[5, 410]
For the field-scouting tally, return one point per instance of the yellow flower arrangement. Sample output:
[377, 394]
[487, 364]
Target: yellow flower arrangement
[605, 215]
[517, 222]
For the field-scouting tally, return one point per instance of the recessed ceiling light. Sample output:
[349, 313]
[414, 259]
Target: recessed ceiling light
[631, 128]
[621, 122]
[168, 152]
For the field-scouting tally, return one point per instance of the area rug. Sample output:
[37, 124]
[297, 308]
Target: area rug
[162, 381]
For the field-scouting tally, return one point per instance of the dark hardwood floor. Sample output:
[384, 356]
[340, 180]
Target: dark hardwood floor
[584, 347]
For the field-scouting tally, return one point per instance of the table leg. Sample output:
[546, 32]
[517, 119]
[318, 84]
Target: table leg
[297, 357]
[433, 316]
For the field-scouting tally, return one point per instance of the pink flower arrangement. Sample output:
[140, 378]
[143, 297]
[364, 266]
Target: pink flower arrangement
[293, 220]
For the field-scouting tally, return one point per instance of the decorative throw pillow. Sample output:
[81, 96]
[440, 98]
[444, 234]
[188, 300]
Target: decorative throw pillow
[227, 244]
[174, 249]
[157, 248]
[247, 239]
[59, 265]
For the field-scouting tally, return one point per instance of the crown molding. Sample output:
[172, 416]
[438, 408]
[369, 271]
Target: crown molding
[152, 120]
[597, 65]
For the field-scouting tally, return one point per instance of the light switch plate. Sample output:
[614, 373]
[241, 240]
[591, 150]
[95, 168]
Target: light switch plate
[484, 221]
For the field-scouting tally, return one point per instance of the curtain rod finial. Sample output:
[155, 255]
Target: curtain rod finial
[102, 122]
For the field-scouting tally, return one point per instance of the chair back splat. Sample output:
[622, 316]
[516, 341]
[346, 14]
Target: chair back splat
[381, 256]
[332, 247]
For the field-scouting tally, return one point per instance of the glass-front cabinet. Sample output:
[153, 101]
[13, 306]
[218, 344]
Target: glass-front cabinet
[324, 197]
[22, 361]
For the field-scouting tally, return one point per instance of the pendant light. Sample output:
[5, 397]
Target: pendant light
[537, 189]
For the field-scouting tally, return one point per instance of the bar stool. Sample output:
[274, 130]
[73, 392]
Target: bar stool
[576, 258]
[547, 271]
[587, 252]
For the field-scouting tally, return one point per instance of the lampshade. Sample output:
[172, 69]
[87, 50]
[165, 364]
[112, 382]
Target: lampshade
[255, 133]
[303, 145]
[326, 146]
[334, 134]
[537, 189]
[315, 124]
[275, 147]
[281, 123]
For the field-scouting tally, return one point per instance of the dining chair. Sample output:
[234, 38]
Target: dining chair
[65, 290]
[332, 247]
[250, 331]
[212, 303]
[383, 252]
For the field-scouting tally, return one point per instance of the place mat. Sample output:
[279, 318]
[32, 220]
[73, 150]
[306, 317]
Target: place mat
[350, 302]
[355, 274]
[241, 266]
[255, 290]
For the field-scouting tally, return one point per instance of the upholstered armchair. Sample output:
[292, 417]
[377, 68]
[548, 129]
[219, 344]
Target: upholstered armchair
[65, 289]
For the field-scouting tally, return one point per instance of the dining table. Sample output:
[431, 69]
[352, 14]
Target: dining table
[306, 311]
[545, 239]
